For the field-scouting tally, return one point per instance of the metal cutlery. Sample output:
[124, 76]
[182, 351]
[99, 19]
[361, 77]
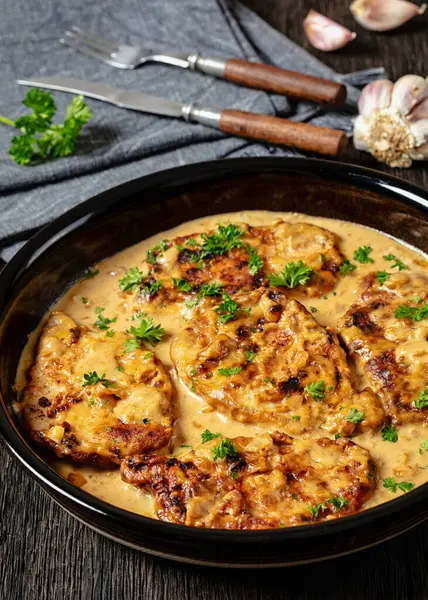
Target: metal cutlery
[243, 124]
[250, 74]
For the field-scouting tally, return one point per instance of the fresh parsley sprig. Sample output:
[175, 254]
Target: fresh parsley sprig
[389, 433]
[255, 261]
[382, 277]
[146, 331]
[398, 264]
[207, 436]
[362, 255]
[225, 449]
[422, 400]
[316, 390]
[92, 378]
[42, 139]
[346, 267]
[228, 309]
[355, 416]
[227, 237]
[390, 484]
[414, 313]
[133, 277]
[292, 275]
[103, 322]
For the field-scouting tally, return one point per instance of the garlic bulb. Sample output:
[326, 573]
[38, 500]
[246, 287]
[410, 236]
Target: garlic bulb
[324, 33]
[384, 15]
[393, 120]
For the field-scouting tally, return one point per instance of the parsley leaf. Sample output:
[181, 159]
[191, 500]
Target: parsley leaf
[103, 322]
[389, 433]
[313, 309]
[382, 277]
[207, 436]
[255, 261]
[227, 237]
[146, 331]
[41, 138]
[230, 372]
[346, 267]
[292, 275]
[315, 510]
[398, 264]
[228, 309]
[156, 252]
[316, 390]
[181, 284]
[412, 312]
[424, 447]
[210, 289]
[355, 416]
[90, 273]
[338, 502]
[151, 287]
[362, 254]
[390, 484]
[131, 345]
[296, 418]
[133, 277]
[92, 378]
[226, 450]
[249, 355]
[422, 400]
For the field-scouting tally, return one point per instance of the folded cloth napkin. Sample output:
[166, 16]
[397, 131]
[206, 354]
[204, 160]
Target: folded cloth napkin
[118, 145]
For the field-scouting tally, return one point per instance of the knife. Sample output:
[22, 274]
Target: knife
[242, 124]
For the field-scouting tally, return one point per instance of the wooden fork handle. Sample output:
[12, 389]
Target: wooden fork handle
[282, 131]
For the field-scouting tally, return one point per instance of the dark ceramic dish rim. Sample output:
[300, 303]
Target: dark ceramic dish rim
[101, 203]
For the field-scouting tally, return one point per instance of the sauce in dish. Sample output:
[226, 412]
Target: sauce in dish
[249, 370]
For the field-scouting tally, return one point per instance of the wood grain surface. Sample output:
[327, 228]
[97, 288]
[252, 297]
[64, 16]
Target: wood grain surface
[47, 555]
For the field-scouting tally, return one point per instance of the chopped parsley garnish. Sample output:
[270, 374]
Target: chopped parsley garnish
[92, 378]
[225, 449]
[398, 264]
[230, 372]
[84, 300]
[120, 368]
[42, 139]
[269, 380]
[148, 355]
[338, 502]
[424, 447]
[228, 309]
[315, 510]
[91, 402]
[295, 418]
[292, 275]
[323, 259]
[355, 416]
[151, 287]
[103, 322]
[110, 333]
[382, 277]
[412, 312]
[390, 484]
[156, 251]
[131, 345]
[185, 446]
[227, 237]
[145, 421]
[313, 309]
[346, 267]
[234, 475]
[316, 390]
[422, 400]
[133, 277]
[146, 331]
[362, 255]
[181, 284]
[90, 273]
[255, 262]
[207, 436]
[210, 289]
[389, 433]
[337, 436]
[249, 355]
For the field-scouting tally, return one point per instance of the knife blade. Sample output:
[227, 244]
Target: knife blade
[235, 122]
[117, 96]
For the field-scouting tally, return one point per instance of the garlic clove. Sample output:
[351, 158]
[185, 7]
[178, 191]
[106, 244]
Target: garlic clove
[361, 134]
[324, 33]
[408, 92]
[420, 131]
[420, 153]
[375, 95]
[384, 15]
[419, 112]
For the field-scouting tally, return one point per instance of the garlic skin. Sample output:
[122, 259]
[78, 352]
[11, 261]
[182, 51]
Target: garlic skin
[384, 15]
[324, 33]
[392, 124]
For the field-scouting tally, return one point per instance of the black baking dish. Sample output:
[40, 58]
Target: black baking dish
[58, 255]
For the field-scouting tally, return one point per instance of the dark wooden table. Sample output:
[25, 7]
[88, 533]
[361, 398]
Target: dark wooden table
[47, 555]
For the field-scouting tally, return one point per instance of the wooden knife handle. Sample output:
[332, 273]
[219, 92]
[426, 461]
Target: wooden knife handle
[282, 131]
[281, 81]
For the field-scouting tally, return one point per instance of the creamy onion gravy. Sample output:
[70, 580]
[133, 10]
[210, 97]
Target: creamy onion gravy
[401, 460]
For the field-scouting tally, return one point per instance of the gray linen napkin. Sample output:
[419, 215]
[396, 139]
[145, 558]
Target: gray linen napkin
[119, 145]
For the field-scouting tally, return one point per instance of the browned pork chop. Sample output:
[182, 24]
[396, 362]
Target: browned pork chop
[90, 401]
[268, 481]
[392, 351]
[271, 362]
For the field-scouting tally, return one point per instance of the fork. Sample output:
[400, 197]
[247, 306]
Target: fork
[236, 70]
